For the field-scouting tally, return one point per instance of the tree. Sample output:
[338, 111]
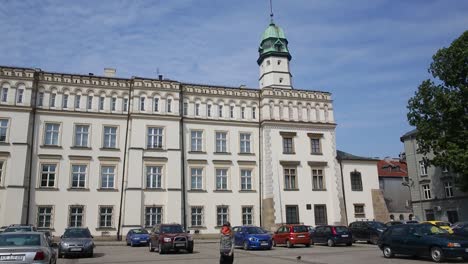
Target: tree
[439, 110]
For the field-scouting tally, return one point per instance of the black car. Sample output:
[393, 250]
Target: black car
[422, 240]
[401, 222]
[332, 235]
[367, 231]
[461, 229]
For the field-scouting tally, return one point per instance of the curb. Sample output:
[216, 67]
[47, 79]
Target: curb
[123, 244]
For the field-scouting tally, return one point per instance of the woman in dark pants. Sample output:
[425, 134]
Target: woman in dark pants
[226, 244]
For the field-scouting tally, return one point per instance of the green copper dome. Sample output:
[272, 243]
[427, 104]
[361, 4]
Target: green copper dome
[273, 43]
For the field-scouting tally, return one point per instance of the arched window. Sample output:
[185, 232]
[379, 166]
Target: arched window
[392, 217]
[272, 110]
[317, 113]
[5, 88]
[356, 181]
[290, 112]
[281, 111]
[402, 217]
[410, 216]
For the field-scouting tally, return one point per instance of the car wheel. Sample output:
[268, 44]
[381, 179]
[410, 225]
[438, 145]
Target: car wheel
[273, 243]
[289, 244]
[150, 245]
[349, 244]
[190, 250]
[312, 242]
[307, 245]
[246, 245]
[330, 242]
[160, 249]
[387, 252]
[91, 253]
[131, 244]
[374, 240]
[437, 255]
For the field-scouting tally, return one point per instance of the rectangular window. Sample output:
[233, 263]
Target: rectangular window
[40, 99]
[196, 140]
[2, 169]
[196, 216]
[48, 173]
[153, 216]
[169, 105]
[448, 189]
[3, 129]
[290, 179]
[320, 213]
[113, 103]
[231, 111]
[359, 211]
[89, 103]
[53, 97]
[197, 109]
[65, 101]
[422, 168]
[125, 105]
[77, 101]
[221, 179]
[242, 112]
[51, 134]
[156, 104]
[220, 111]
[44, 217]
[78, 176]
[254, 113]
[196, 175]
[356, 181]
[222, 215]
[155, 137]
[426, 191]
[101, 103]
[153, 177]
[288, 147]
[76, 216]
[4, 95]
[208, 110]
[221, 142]
[317, 179]
[107, 177]
[292, 214]
[105, 216]
[247, 215]
[142, 103]
[185, 108]
[246, 179]
[81, 135]
[19, 100]
[110, 137]
[245, 143]
[315, 146]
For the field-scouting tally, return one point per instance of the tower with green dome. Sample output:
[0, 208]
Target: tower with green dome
[274, 59]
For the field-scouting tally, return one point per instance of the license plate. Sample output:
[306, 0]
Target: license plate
[344, 235]
[180, 245]
[300, 236]
[76, 249]
[12, 257]
[264, 244]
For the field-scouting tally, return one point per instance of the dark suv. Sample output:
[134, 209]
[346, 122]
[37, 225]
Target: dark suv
[369, 231]
[166, 237]
[332, 235]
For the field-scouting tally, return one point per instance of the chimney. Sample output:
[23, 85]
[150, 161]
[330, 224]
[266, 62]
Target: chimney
[109, 72]
[160, 77]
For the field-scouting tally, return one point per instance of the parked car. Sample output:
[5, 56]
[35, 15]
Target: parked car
[251, 237]
[3, 228]
[20, 228]
[332, 235]
[461, 229]
[166, 237]
[422, 240]
[136, 237]
[47, 234]
[401, 222]
[292, 235]
[442, 224]
[26, 247]
[458, 225]
[367, 231]
[76, 241]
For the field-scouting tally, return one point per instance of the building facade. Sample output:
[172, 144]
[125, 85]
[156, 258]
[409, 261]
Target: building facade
[434, 194]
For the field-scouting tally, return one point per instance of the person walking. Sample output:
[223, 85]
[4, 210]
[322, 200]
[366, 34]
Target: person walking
[226, 244]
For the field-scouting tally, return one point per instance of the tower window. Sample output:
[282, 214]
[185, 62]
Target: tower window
[279, 62]
[268, 62]
[281, 80]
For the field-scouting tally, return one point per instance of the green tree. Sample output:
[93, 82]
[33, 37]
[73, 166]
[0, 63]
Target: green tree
[439, 110]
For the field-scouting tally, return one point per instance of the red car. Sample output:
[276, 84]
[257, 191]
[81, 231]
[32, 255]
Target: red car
[170, 237]
[292, 235]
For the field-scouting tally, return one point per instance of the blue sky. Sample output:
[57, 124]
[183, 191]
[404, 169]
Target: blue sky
[370, 54]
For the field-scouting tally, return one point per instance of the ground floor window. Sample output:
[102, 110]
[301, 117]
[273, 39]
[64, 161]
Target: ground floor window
[197, 216]
[105, 216]
[430, 215]
[44, 216]
[222, 215]
[452, 216]
[320, 213]
[153, 216]
[359, 211]
[292, 214]
[76, 216]
[247, 215]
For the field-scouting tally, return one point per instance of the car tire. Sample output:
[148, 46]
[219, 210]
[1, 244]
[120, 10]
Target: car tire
[387, 252]
[289, 244]
[128, 243]
[190, 250]
[91, 253]
[307, 245]
[150, 246]
[349, 244]
[330, 242]
[312, 242]
[246, 245]
[437, 255]
[131, 244]
[160, 249]
[273, 243]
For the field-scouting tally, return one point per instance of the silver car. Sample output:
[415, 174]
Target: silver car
[76, 241]
[26, 247]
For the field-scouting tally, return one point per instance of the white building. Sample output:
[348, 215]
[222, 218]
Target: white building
[114, 153]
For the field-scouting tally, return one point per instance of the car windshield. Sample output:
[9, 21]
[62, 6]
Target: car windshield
[18, 229]
[300, 229]
[77, 233]
[442, 224]
[428, 229]
[140, 231]
[411, 222]
[172, 229]
[341, 229]
[377, 225]
[255, 230]
[19, 240]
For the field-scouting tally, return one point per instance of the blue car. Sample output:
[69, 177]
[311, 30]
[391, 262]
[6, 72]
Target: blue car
[251, 237]
[136, 237]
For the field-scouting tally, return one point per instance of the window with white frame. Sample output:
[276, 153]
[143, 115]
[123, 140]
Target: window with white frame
[101, 102]
[110, 137]
[105, 216]
[220, 111]
[197, 109]
[125, 104]
[3, 130]
[113, 103]
[81, 135]
[107, 177]
[426, 191]
[40, 99]
[153, 215]
[77, 101]
[142, 103]
[221, 142]
[242, 112]
[196, 216]
[208, 110]
[65, 101]
[155, 104]
[76, 214]
[19, 98]
[196, 178]
[44, 216]
[53, 98]
[245, 142]
[196, 140]
[422, 168]
[247, 215]
[448, 189]
[89, 103]
[185, 108]
[52, 131]
[288, 145]
[318, 179]
[246, 179]
[154, 137]
[222, 215]
[169, 105]
[48, 175]
[315, 146]
[221, 179]
[359, 211]
[4, 95]
[153, 177]
[290, 178]
[231, 111]
[79, 176]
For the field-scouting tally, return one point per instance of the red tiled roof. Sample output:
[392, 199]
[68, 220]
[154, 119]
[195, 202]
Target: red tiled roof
[392, 168]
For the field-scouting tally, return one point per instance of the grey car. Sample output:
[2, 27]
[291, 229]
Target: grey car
[26, 247]
[76, 241]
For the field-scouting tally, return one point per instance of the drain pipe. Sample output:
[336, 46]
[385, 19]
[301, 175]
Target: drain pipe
[343, 190]
[182, 157]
